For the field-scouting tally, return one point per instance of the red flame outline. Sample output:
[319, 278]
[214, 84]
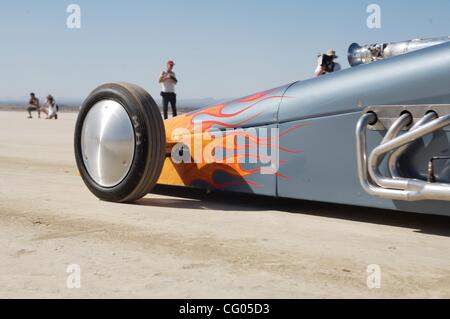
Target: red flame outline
[244, 174]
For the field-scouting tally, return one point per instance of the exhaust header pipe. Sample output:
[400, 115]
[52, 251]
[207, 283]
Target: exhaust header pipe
[374, 52]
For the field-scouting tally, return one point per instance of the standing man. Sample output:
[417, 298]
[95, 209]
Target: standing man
[326, 63]
[168, 81]
[33, 105]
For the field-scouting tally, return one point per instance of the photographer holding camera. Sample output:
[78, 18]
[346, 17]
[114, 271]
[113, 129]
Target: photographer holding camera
[168, 81]
[326, 63]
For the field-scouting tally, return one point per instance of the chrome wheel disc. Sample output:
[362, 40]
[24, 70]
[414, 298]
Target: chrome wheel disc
[107, 143]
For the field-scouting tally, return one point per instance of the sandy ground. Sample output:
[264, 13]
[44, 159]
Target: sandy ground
[183, 244]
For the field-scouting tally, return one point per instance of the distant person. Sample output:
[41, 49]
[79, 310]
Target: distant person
[51, 108]
[33, 105]
[168, 81]
[326, 63]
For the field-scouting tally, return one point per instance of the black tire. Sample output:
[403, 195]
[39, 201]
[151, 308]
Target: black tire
[149, 149]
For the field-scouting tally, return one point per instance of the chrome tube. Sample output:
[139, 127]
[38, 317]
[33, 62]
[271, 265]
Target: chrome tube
[394, 157]
[415, 189]
[436, 191]
[362, 162]
[395, 129]
[379, 51]
[403, 121]
[374, 162]
[398, 48]
[412, 135]
[411, 189]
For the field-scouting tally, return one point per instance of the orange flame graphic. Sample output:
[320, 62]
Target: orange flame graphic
[231, 168]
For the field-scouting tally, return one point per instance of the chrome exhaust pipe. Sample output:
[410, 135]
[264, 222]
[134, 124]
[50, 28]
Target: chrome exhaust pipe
[361, 151]
[375, 161]
[395, 156]
[379, 51]
[405, 189]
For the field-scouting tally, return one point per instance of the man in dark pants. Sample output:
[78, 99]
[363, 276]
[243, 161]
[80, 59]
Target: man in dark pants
[168, 81]
[33, 105]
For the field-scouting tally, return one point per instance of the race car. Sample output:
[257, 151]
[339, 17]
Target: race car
[374, 135]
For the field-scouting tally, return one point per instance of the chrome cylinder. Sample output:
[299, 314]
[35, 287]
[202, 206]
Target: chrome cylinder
[379, 51]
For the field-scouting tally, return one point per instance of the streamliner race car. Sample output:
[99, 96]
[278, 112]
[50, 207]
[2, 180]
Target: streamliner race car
[374, 135]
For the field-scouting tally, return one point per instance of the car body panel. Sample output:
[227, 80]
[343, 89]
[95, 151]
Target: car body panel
[316, 122]
[328, 174]
[420, 77]
[245, 120]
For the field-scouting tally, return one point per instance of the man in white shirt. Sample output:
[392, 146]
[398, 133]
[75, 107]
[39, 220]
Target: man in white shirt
[168, 81]
[51, 108]
[326, 63]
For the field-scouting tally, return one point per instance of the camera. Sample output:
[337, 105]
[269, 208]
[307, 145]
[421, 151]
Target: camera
[326, 62]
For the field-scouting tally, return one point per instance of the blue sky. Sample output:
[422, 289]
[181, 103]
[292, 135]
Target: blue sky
[222, 48]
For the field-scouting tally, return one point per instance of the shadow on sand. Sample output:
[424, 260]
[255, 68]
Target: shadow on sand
[188, 198]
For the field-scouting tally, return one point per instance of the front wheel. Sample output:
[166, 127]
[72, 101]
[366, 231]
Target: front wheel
[119, 142]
